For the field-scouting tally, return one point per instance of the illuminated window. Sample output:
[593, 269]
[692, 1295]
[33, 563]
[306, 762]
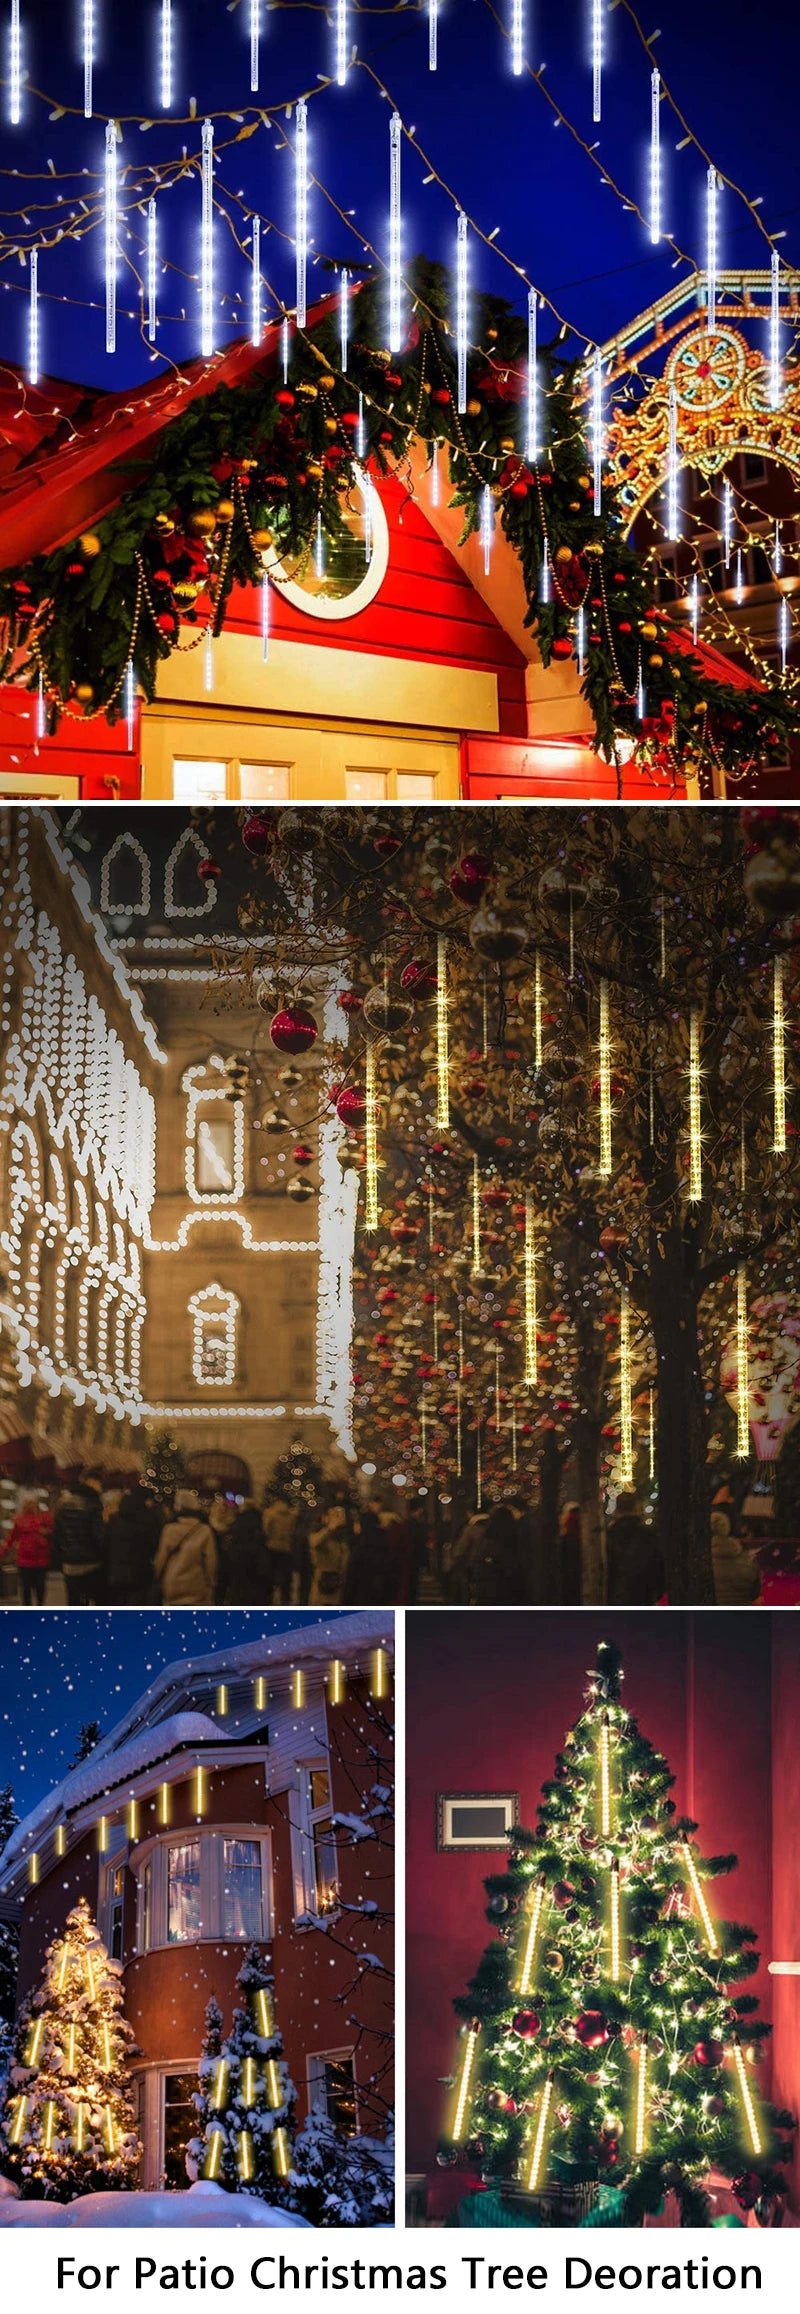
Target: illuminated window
[332, 2089]
[215, 1136]
[196, 781]
[264, 782]
[313, 1842]
[214, 1315]
[180, 2123]
[389, 786]
[183, 1893]
[216, 1884]
[476, 1819]
[241, 1888]
[214, 1156]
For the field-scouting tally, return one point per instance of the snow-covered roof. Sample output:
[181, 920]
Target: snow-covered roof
[146, 1734]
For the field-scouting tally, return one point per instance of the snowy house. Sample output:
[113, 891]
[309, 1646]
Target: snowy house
[245, 1797]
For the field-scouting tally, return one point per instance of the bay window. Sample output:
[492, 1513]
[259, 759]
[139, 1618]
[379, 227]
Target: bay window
[204, 1885]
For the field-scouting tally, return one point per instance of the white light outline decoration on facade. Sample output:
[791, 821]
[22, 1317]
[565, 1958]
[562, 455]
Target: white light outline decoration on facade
[673, 464]
[604, 1068]
[301, 210]
[110, 235]
[15, 67]
[152, 271]
[33, 320]
[188, 841]
[531, 1370]
[442, 1120]
[87, 14]
[742, 1367]
[532, 385]
[625, 1402]
[395, 235]
[341, 42]
[165, 57]
[712, 247]
[462, 297]
[256, 324]
[778, 1059]
[655, 157]
[207, 243]
[213, 1305]
[695, 1112]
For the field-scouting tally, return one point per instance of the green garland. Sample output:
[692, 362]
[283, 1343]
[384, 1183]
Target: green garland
[248, 470]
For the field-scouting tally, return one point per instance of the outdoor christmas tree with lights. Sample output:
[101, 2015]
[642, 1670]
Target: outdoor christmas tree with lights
[606, 2040]
[245, 2101]
[67, 2125]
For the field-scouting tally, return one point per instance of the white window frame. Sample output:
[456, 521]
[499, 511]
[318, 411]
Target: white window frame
[110, 1860]
[212, 1306]
[302, 1818]
[446, 1802]
[316, 2061]
[211, 1840]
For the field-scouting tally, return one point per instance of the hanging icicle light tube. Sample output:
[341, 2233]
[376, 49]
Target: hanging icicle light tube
[778, 1059]
[301, 211]
[531, 1936]
[695, 1113]
[625, 1409]
[442, 1039]
[370, 1139]
[462, 290]
[465, 2081]
[395, 236]
[604, 1066]
[531, 1375]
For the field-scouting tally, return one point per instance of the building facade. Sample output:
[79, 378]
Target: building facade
[236, 1803]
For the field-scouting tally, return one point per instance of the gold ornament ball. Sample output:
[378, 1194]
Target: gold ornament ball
[203, 522]
[593, 549]
[474, 408]
[648, 631]
[508, 444]
[225, 510]
[90, 545]
[262, 538]
[327, 382]
[655, 659]
[315, 471]
[554, 1963]
[563, 555]
[308, 392]
[85, 693]
[330, 425]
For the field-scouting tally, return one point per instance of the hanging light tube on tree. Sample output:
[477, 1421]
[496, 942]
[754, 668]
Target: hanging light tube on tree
[712, 189]
[605, 1777]
[672, 464]
[207, 243]
[778, 1059]
[694, 607]
[742, 1365]
[614, 1926]
[476, 1219]
[152, 271]
[442, 1039]
[370, 1140]
[695, 1113]
[655, 157]
[641, 2097]
[344, 319]
[604, 1067]
[531, 1374]
[536, 2163]
[464, 2093]
[531, 1935]
[775, 377]
[532, 386]
[625, 1408]
[462, 292]
[110, 235]
[301, 210]
[255, 285]
[699, 1897]
[33, 320]
[747, 2098]
[395, 235]
[597, 429]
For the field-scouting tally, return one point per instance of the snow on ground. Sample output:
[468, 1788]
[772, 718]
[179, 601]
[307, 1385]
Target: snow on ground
[204, 2205]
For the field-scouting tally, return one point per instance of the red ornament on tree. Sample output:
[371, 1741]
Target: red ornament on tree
[526, 2024]
[707, 2053]
[293, 1030]
[351, 1105]
[258, 834]
[209, 871]
[469, 880]
[591, 2029]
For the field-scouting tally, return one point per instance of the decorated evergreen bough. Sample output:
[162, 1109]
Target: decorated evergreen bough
[245, 2099]
[241, 479]
[606, 2040]
[66, 2123]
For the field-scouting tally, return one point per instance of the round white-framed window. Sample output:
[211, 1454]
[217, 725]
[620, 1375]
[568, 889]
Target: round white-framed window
[339, 582]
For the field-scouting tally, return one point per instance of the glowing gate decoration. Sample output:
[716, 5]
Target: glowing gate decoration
[722, 387]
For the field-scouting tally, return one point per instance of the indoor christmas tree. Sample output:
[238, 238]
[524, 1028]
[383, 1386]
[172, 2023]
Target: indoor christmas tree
[67, 2126]
[606, 2042]
[245, 2101]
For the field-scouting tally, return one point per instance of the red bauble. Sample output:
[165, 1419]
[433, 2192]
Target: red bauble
[591, 2029]
[562, 647]
[386, 846]
[301, 1155]
[258, 834]
[351, 1105]
[209, 871]
[350, 1001]
[563, 1892]
[293, 1030]
[469, 880]
[526, 2024]
[747, 2189]
[417, 979]
[708, 2053]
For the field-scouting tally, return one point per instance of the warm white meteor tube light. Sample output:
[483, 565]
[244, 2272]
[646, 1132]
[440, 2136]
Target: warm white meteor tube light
[395, 235]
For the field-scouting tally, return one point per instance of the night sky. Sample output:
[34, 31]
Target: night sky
[491, 137]
[59, 1670]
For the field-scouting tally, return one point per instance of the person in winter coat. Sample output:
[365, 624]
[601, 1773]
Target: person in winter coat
[635, 1569]
[79, 1543]
[737, 1579]
[30, 1539]
[330, 1553]
[278, 1522]
[244, 1576]
[185, 1563]
[133, 1535]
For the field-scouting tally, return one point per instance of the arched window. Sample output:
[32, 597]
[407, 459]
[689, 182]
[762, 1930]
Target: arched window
[214, 1136]
[214, 1315]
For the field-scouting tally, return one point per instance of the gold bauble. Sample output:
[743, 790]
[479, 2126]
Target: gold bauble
[648, 631]
[225, 510]
[508, 444]
[90, 545]
[203, 522]
[656, 659]
[315, 471]
[563, 554]
[327, 382]
[262, 538]
[593, 548]
[330, 425]
[474, 408]
[85, 693]
[309, 393]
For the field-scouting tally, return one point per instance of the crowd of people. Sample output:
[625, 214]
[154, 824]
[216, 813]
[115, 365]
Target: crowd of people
[128, 1547]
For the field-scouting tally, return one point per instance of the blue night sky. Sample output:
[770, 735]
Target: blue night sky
[491, 137]
[58, 1670]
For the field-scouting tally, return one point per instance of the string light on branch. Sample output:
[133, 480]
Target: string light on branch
[207, 244]
[597, 59]
[341, 42]
[462, 287]
[655, 157]
[370, 1139]
[465, 2082]
[531, 1935]
[15, 67]
[604, 1064]
[699, 1897]
[640, 2124]
[778, 1059]
[532, 386]
[536, 2163]
[110, 235]
[395, 236]
[442, 1039]
[597, 429]
[695, 1113]
[517, 36]
[625, 1410]
[301, 210]
[88, 56]
[742, 1373]
[152, 271]
[165, 57]
[255, 286]
[531, 1372]
[753, 2130]
[712, 232]
[33, 320]
[775, 377]
[672, 465]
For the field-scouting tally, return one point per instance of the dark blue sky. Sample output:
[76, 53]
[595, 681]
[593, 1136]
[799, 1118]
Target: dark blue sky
[733, 70]
[58, 1670]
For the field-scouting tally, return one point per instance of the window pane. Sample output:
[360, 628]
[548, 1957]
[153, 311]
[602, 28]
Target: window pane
[264, 782]
[340, 2094]
[147, 1907]
[415, 786]
[183, 1893]
[324, 1863]
[241, 1889]
[196, 781]
[214, 1156]
[365, 786]
[320, 1788]
[180, 2122]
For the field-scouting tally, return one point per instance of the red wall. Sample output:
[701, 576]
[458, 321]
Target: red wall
[90, 751]
[490, 1697]
[550, 771]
